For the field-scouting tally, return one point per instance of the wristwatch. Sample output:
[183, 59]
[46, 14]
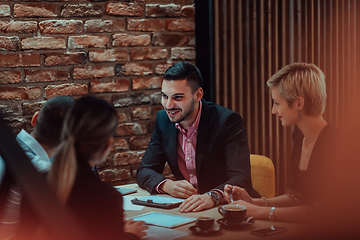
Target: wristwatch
[215, 197]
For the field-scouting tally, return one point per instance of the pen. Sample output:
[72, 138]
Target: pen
[231, 196]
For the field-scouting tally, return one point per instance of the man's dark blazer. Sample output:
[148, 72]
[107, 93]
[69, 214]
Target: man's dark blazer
[222, 151]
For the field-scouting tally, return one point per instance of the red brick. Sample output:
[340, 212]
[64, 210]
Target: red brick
[125, 40]
[192, 40]
[81, 10]
[114, 174]
[183, 53]
[43, 43]
[53, 59]
[123, 117]
[99, 25]
[9, 43]
[184, 1]
[35, 10]
[85, 41]
[18, 26]
[69, 89]
[46, 75]
[120, 144]
[168, 10]
[61, 26]
[90, 72]
[17, 124]
[156, 98]
[154, 110]
[188, 11]
[148, 54]
[126, 129]
[4, 10]
[161, 68]
[130, 99]
[13, 109]
[31, 108]
[126, 158]
[179, 25]
[145, 25]
[114, 86]
[146, 83]
[139, 142]
[165, 1]
[8, 77]
[141, 113]
[108, 55]
[19, 60]
[19, 93]
[125, 9]
[139, 69]
[168, 39]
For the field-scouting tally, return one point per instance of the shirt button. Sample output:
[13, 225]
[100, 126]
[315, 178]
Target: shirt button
[194, 130]
[191, 175]
[188, 158]
[188, 140]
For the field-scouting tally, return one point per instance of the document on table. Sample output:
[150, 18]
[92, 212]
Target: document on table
[128, 205]
[160, 233]
[163, 220]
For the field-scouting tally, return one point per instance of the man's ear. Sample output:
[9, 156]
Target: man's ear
[34, 118]
[199, 94]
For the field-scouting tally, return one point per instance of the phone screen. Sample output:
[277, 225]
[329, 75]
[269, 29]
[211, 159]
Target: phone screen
[268, 231]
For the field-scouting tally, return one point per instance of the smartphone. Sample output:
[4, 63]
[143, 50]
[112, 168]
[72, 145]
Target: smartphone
[268, 231]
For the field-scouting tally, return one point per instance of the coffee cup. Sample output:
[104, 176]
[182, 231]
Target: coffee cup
[205, 222]
[233, 213]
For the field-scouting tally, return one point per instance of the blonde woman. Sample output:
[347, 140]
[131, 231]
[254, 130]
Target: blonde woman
[299, 95]
[87, 139]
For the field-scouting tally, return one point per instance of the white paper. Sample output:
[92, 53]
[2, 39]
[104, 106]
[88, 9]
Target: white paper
[160, 233]
[128, 205]
[163, 220]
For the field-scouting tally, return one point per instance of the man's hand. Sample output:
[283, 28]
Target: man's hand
[179, 189]
[196, 203]
[136, 227]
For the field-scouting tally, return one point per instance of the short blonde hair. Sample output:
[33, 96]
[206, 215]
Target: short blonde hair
[304, 80]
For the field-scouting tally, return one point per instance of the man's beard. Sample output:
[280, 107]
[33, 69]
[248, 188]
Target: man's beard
[185, 114]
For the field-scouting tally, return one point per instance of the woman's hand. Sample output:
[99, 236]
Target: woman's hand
[252, 210]
[238, 193]
[135, 227]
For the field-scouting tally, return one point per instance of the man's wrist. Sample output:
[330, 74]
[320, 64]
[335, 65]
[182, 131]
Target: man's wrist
[215, 196]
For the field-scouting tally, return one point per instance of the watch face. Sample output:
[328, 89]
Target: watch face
[215, 195]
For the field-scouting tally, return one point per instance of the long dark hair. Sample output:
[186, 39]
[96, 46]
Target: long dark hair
[88, 126]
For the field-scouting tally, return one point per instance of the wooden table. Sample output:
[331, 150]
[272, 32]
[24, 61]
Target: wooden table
[294, 230]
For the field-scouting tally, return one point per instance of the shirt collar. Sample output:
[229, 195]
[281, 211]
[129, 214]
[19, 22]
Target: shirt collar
[31, 142]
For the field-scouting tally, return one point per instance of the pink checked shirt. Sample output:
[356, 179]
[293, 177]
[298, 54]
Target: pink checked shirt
[186, 150]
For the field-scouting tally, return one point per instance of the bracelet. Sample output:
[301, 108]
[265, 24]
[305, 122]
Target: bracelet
[266, 201]
[271, 214]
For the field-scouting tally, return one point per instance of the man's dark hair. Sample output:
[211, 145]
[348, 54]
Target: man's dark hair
[50, 120]
[185, 71]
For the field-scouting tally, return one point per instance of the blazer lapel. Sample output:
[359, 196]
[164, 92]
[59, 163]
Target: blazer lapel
[203, 133]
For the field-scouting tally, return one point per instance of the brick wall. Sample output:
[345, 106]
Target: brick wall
[116, 50]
